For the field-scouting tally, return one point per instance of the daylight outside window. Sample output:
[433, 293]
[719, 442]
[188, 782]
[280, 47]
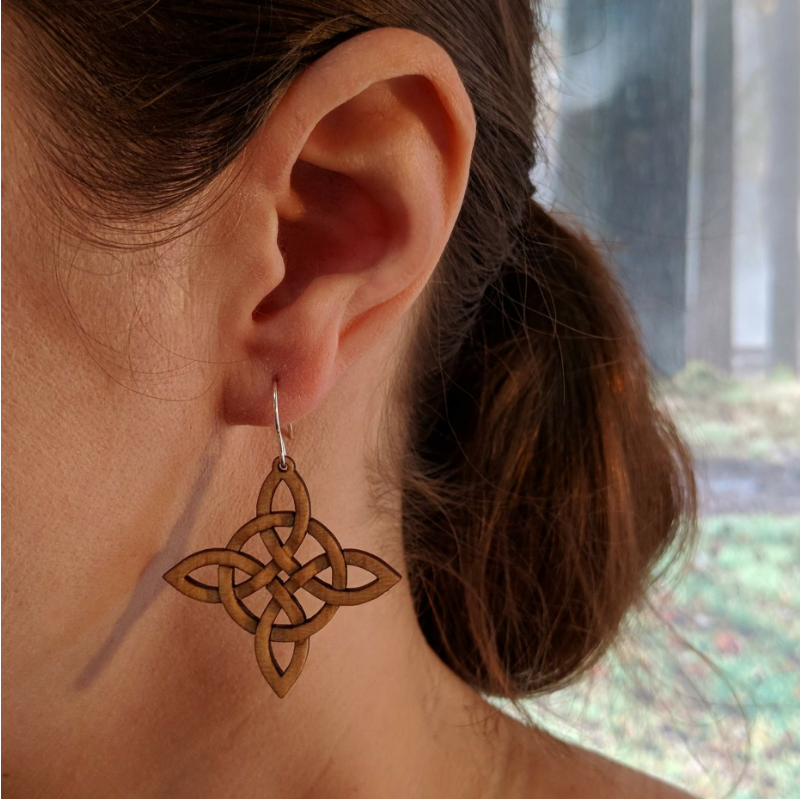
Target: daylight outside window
[672, 131]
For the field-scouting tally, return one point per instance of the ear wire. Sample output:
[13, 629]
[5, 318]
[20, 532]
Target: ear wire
[282, 464]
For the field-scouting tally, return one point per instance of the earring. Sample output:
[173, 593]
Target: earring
[267, 575]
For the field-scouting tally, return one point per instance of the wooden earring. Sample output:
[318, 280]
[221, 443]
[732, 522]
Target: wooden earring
[267, 575]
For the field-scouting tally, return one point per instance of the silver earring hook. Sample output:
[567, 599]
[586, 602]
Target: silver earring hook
[282, 464]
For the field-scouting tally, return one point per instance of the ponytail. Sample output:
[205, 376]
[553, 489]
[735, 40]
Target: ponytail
[544, 482]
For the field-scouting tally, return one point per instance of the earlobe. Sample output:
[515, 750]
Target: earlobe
[357, 177]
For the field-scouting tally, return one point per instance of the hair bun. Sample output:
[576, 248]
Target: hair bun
[545, 482]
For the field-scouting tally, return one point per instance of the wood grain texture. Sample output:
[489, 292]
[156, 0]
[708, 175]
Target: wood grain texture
[267, 575]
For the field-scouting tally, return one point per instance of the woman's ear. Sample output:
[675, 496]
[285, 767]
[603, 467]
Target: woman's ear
[349, 193]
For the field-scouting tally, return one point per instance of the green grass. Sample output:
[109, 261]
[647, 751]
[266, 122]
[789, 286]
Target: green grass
[686, 714]
[722, 418]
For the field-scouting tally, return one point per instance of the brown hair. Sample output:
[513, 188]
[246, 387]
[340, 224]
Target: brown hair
[541, 482]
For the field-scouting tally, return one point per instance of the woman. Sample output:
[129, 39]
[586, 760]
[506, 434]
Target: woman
[208, 202]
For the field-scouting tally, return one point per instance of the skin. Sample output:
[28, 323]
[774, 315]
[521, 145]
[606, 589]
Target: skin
[137, 428]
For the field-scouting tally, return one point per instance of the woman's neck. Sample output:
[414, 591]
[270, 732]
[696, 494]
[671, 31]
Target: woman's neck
[171, 701]
[182, 709]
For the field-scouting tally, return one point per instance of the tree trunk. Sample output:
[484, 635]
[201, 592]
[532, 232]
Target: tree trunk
[624, 151]
[711, 322]
[782, 184]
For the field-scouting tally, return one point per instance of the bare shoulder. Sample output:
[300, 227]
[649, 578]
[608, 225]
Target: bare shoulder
[549, 767]
[601, 778]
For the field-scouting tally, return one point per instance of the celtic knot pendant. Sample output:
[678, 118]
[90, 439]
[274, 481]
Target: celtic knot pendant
[282, 591]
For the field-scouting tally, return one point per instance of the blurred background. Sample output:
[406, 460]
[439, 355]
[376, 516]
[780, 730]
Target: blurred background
[671, 131]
